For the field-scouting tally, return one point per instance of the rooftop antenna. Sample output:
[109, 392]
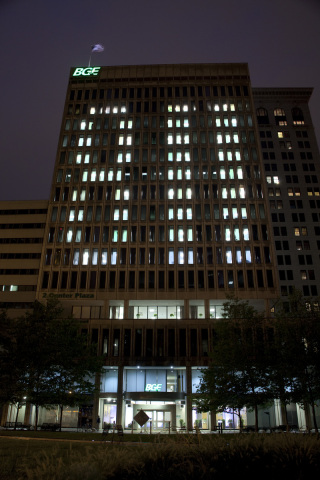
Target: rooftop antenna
[97, 48]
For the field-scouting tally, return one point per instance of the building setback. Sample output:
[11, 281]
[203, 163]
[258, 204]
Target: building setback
[169, 192]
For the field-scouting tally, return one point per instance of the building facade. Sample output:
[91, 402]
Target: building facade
[169, 190]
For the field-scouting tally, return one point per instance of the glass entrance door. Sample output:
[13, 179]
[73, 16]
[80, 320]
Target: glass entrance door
[160, 419]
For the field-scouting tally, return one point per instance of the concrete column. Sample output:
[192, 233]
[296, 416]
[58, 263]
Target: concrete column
[186, 308]
[4, 414]
[188, 399]
[95, 410]
[27, 414]
[120, 395]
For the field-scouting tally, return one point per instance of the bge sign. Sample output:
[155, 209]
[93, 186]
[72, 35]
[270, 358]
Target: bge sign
[86, 72]
[153, 387]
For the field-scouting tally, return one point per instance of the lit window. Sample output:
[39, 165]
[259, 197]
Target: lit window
[93, 176]
[189, 212]
[124, 237]
[170, 213]
[171, 193]
[113, 256]
[121, 139]
[189, 234]
[234, 212]
[188, 193]
[248, 255]
[92, 110]
[104, 256]
[229, 255]
[116, 214]
[115, 110]
[227, 233]
[219, 137]
[245, 230]
[170, 174]
[180, 256]
[125, 213]
[218, 122]
[190, 256]
[186, 122]
[89, 141]
[85, 257]
[171, 234]
[180, 213]
[115, 234]
[171, 256]
[180, 234]
[126, 194]
[71, 214]
[69, 234]
[236, 138]
[101, 175]
[170, 139]
[80, 214]
[78, 157]
[239, 173]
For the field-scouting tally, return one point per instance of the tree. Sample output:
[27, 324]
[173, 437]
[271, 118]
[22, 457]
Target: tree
[297, 328]
[48, 358]
[236, 376]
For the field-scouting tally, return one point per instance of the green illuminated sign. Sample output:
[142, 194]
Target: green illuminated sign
[86, 72]
[153, 387]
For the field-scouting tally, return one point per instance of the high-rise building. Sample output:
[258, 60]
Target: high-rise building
[290, 158]
[174, 187]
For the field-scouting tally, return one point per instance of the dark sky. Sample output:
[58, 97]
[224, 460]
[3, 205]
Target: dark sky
[41, 39]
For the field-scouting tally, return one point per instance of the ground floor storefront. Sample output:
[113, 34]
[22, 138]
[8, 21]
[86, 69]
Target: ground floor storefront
[164, 394]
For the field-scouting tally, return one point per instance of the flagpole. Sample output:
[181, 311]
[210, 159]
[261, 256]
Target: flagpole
[89, 60]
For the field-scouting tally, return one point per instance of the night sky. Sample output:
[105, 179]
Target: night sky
[42, 39]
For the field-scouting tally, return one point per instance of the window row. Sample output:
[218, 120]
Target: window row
[158, 155]
[158, 256]
[156, 122]
[198, 192]
[280, 116]
[160, 212]
[143, 233]
[162, 280]
[178, 91]
[160, 138]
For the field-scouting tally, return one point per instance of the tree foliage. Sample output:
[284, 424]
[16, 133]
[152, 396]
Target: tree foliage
[257, 359]
[236, 375]
[46, 359]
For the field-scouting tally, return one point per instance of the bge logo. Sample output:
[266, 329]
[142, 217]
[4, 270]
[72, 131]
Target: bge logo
[85, 72]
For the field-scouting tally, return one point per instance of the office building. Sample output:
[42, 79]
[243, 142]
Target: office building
[169, 193]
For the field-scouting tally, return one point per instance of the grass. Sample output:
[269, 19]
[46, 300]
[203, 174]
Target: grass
[178, 457]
